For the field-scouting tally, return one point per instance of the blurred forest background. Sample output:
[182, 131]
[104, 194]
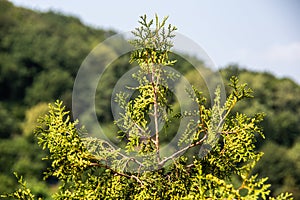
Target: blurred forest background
[40, 54]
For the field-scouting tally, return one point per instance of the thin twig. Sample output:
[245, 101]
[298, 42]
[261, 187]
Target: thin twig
[117, 173]
[124, 156]
[161, 163]
[227, 113]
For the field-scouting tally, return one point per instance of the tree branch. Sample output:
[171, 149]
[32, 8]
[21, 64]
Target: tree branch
[124, 156]
[116, 172]
[161, 163]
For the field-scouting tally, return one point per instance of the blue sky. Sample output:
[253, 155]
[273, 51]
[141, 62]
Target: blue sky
[261, 35]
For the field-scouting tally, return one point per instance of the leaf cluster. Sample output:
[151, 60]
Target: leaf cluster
[152, 45]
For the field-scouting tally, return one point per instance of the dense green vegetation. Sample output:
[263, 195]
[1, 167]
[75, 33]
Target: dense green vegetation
[279, 100]
[40, 54]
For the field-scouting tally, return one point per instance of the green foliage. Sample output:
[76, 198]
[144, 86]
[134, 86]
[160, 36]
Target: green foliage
[284, 163]
[49, 85]
[278, 98]
[83, 176]
[40, 54]
[31, 117]
[56, 44]
[91, 168]
[22, 193]
[152, 45]
[8, 123]
[22, 155]
[53, 42]
[104, 90]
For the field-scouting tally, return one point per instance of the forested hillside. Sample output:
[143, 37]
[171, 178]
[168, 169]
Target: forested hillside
[40, 54]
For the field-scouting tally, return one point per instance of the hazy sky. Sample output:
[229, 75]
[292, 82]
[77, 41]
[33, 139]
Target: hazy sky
[258, 34]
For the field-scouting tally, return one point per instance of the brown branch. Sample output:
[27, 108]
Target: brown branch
[161, 163]
[117, 173]
[228, 132]
[124, 156]
[137, 178]
[227, 113]
[155, 115]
